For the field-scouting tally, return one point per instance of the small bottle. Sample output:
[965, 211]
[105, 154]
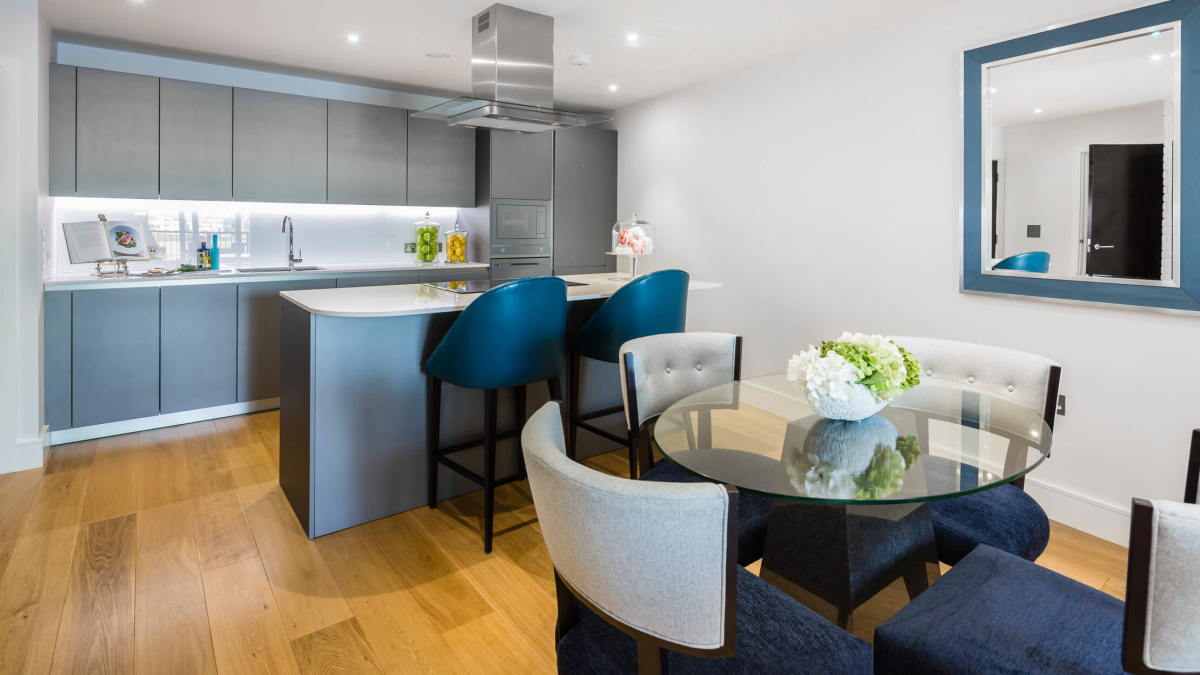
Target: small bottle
[202, 259]
[214, 254]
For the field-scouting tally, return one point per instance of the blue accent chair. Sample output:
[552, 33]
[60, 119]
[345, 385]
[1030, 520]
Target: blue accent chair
[1031, 261]
[652, 304]
[510, 336]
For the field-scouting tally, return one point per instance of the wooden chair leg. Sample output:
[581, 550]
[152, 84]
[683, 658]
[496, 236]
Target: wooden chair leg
[433, 421]
[688, 431]
[490, 401]
[652, 658]
[574, 361]
[704, 424]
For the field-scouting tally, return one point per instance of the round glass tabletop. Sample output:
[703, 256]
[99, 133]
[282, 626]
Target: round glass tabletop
[938, 440]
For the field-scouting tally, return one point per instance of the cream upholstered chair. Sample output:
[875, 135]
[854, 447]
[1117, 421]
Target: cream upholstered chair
[659, 370]
[646, 577]
[1002, 517]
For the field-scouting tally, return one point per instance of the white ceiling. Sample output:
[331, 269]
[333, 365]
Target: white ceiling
[1071, 83]
[680, 42]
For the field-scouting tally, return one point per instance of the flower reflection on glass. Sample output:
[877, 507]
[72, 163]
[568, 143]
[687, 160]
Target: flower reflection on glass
[864, 460]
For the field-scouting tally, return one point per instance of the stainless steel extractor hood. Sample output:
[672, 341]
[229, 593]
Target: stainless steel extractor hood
[512, 77]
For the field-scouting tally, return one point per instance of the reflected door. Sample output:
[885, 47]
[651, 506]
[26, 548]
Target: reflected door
[1125, 211]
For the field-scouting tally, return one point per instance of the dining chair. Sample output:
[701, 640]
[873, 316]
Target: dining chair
[1030, 261]
[508, 337]
[1003, 517]
[659, 370]
[647, 581]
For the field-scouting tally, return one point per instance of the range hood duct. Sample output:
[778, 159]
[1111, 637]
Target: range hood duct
[512, 76]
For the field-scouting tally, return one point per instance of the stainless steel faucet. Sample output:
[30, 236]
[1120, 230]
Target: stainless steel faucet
[287, 227]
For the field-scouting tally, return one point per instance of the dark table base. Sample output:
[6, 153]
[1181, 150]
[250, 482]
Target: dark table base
[834, 558]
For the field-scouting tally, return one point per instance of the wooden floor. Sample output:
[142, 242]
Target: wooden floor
[174, 551]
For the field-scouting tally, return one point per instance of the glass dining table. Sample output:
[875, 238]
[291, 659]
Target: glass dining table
[851, 512]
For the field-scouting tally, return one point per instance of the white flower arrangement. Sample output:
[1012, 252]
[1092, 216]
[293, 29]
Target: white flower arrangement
[854, 376]
[634, 241]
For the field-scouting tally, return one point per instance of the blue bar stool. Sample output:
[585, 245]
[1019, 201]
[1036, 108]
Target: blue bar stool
[510, 336]
[649, 305]
[1031, 261]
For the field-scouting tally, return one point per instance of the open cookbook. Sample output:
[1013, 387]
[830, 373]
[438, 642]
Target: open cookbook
[92, 241]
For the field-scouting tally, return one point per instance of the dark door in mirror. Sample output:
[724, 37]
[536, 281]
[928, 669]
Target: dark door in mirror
[1125, 211]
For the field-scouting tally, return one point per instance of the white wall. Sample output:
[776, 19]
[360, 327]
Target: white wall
[1041, 172]
[823, 191]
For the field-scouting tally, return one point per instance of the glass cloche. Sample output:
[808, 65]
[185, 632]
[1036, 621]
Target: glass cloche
[633, 238]
[427, 239]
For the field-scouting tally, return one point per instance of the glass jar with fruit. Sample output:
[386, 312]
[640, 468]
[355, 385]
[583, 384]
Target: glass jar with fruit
[456, 245]
[427, 239]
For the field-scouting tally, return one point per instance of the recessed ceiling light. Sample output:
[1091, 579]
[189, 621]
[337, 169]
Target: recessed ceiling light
[1037, 111]
[1156, 57]
[612, 87]
[631, 38]
[353, 37]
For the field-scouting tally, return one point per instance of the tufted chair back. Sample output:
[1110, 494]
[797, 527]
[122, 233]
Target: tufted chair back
[1027, 379]
[666, 368]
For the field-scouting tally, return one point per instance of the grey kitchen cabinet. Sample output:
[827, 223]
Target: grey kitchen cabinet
[196, 141]
[392, 279]
[114, 355]
[521, 166]
[56, 360]
[62, 130]
[116, 143]
[258, 335]
[368, 154]
[585, 197]
[198, 360]
[280, 146]
[441, 164]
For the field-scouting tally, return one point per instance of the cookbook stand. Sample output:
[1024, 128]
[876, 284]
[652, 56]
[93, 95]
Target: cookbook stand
[120, 268]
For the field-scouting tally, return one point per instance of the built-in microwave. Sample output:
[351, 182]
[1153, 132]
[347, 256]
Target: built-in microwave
[521, 227]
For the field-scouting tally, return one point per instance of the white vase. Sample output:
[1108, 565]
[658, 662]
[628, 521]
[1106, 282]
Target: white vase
[861, 404]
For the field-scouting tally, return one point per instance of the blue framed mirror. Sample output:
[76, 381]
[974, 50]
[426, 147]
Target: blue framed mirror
[1081, 161]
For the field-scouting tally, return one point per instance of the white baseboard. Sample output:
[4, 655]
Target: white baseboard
[1081, 512]
[28, 454]
[160, 421]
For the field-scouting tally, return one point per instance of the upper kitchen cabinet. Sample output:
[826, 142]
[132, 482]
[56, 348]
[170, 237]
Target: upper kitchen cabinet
[368, 154]
[62, 130]
[196, 131]
[585, 198]
[116, 135]
[521, 166]
[279, 147]
[441, 164]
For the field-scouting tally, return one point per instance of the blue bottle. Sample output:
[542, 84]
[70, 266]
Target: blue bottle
[214, 254]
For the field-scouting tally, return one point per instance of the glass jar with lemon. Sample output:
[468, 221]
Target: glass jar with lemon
[427, 239]
[456, 245]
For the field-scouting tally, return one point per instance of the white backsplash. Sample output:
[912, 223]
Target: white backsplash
[249, 232]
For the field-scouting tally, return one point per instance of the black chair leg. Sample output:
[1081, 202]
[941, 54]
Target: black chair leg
[574, 361]
[433, 421]
[646, 451]
[633, 455]
[521, 419]
[490, 400]
[555, 388]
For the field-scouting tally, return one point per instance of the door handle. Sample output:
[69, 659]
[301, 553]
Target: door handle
[1098, 246]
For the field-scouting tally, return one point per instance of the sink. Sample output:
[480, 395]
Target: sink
[297, 268]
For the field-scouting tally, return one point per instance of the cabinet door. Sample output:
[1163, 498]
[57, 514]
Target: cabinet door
[117, 135]
[584, 200]
[258, 336]
[62, 130]
[196, 129]
[114, 355]
[368, 154]
[441, 164]
[56, 329]
[199, 347]
[378, 280]
[279, 147]
[522, 165]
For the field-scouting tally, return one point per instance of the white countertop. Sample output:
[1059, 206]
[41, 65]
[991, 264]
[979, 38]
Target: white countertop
[78, 281]
[380, 301]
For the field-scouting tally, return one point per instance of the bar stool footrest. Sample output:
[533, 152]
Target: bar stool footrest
[476, 478]
[467, 445]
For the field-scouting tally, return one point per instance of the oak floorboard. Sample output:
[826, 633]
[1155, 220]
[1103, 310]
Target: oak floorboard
[96, 631]
[247, 632]
[113, 490]
[172, 633]
[16, 494]
[71, 456]
[1083, 557]
[249, 462]
[223, 534]
[402, 635]
[488, 646]
[35, 582]
[340, 648]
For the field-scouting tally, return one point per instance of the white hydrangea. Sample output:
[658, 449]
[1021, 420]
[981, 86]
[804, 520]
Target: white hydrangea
[820, 376]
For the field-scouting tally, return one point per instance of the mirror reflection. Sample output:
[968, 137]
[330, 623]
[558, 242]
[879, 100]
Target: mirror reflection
[1081, 161]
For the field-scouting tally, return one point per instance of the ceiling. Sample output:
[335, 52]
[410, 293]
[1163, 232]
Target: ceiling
[679, 42]
[1070, 83]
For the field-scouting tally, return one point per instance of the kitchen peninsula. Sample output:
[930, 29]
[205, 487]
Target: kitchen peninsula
[352, 399]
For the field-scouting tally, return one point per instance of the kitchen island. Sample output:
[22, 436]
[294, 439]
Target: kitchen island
[352, 400]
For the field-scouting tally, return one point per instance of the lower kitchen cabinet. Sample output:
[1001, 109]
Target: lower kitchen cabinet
[199, 347]
[258, 335]
[114, 355]
[56, 360]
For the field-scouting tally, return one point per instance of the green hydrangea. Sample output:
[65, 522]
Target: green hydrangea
[882, 366]
[885, 474]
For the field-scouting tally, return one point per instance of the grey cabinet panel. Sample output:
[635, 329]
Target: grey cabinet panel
[114, 355]
[56, 330]
[279, 147]
[584, 196]
[62, 130]
[378, 280]
[464, 275]
[611, 261]
[198, 361]
[522, 165]
[441, 164]
[258, 335]
[368, 154]
[117, 135]
[196, 131]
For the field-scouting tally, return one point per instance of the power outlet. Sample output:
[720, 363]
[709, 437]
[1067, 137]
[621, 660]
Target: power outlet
[1062, 405]
[410, 247]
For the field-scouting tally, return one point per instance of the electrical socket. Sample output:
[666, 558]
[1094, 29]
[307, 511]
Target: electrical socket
[410, 247]
[1062, 405]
